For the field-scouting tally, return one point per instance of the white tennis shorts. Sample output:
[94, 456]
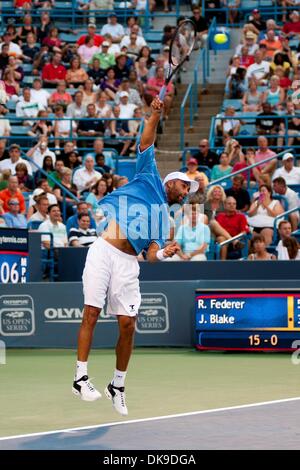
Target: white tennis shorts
[110, 273]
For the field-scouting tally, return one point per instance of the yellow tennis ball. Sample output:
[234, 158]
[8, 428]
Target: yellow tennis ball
[220, 38]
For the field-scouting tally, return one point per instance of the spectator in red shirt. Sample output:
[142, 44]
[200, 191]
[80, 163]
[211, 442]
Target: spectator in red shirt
[12, 191]
[154, 86]
[292, 28]
[91, 31]
[53, 73]
[233, 222]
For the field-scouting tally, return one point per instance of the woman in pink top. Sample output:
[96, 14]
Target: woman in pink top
[53, 41]
[76, 75]
[60, 96]
[87, 50]
[154, 86]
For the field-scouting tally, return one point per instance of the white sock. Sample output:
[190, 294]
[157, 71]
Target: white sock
[119, 378]
[81, 369]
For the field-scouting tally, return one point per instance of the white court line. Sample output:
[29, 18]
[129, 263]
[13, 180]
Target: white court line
[156, 418]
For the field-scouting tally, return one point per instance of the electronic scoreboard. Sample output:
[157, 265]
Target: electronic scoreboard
[248, 319]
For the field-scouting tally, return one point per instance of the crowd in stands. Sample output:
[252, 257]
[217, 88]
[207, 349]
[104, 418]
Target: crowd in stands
[91, 95]
[261, 84]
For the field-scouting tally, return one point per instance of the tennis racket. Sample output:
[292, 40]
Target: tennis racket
[181, 47]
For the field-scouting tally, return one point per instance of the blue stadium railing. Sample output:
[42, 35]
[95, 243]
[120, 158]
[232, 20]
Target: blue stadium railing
[77, 17]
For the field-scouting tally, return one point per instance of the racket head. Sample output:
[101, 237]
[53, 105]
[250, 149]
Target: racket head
[182, 43]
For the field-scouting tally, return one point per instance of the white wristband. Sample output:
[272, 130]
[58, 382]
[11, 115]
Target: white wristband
[160, 255]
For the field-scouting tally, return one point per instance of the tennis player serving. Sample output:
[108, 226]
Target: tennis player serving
[137, 219]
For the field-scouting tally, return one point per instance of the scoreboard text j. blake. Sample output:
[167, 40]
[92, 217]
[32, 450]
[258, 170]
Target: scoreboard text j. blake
[248, 319]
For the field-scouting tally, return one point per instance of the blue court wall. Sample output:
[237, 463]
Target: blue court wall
[48, 315]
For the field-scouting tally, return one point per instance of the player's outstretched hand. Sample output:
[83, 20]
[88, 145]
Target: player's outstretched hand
[157, 105]
[171, 249]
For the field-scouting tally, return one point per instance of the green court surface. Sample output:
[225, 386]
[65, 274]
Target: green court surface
[35, 385]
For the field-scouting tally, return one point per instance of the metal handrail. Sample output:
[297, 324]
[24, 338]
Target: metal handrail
[254, 165]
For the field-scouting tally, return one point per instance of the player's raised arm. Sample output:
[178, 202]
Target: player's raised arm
[149, 133]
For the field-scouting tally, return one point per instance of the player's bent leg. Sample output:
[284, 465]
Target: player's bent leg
[82, 386]
[115, 390]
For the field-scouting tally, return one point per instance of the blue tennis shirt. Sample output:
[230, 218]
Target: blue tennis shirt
[140, 207]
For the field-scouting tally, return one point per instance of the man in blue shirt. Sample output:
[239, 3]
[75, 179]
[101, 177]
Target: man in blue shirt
[137, 219]
[13, 218]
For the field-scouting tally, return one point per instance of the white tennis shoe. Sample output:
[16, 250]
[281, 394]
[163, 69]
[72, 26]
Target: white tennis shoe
[85, 389]
[117, 395]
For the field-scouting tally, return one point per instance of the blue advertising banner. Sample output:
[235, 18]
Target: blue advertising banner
[14, 256]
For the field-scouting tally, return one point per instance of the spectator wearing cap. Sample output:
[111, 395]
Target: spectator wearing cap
[288, 171]
[250, 43]
[292, 28]
[133, 95]
[260, 70]
[222, 169]
[84, 178]
[192, 169]
[12, 191]
[54, 72]
[13, 218]
[87, 50]
[41, 209]
[14, 158]
[106, 59]
[126, 108]
[91, 32]
[280, 187]
[257, 21]
[43, 189]
[114, 28]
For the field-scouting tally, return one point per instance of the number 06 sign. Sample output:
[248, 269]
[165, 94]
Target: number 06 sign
[13, 256]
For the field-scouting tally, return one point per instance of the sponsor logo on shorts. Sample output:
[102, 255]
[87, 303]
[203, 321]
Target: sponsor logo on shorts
[17, 315]
[153, 314]
[71, 315]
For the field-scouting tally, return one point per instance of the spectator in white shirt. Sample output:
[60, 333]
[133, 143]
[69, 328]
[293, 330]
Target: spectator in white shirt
[77, 109]
[114, 28]
[39, 152]
[56, 227]
[133, 95]
[86, 177]
[126, 108]
[41, 206]
[288, 171]
[259, 70]
[13, 49]
[113, 48]
[4, 123]
[27, 107]
[14, 158]
[250, 43]
[140, 40]
[63, 127]
[280, 187]
[40, 95]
